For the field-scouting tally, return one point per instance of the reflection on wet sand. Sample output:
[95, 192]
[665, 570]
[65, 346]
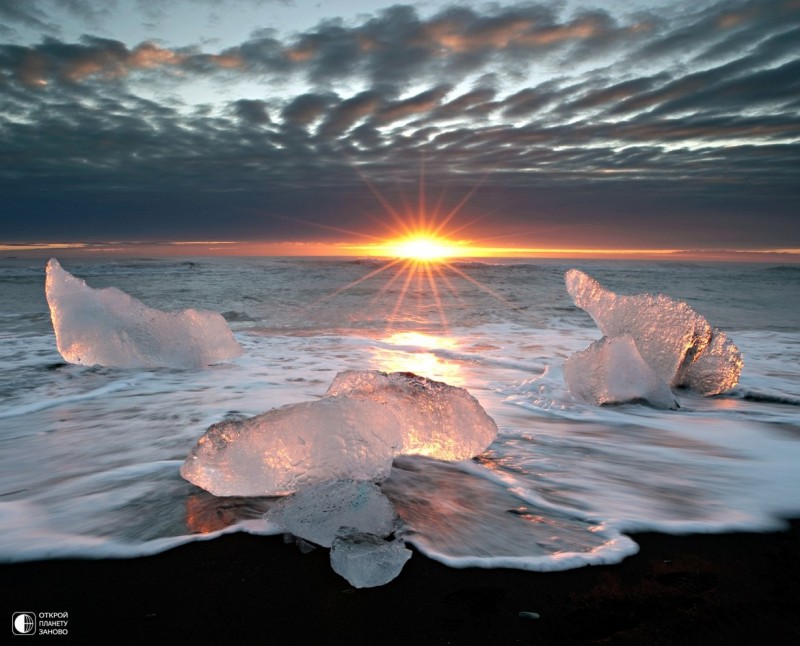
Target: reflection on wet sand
[208, 513]
[461, 515]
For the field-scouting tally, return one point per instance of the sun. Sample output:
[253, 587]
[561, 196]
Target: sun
[421, 248]
[419, 262]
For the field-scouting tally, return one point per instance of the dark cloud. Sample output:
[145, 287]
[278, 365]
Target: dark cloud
[306, 108]
[718, 29]
[530, 100]
[252, 111]
[348, 112]
[611, 93]
[54, 61]
[396, 46]
[421, 103]
[694, 120]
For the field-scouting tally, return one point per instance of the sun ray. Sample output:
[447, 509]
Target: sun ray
[401, 296]
[358, 281]
[446, 279]
[318, 225]
[398, 219]
[422, 224]
[478, 284]
[387, 286]
[421, 257]
[454, 211]
[437, 298]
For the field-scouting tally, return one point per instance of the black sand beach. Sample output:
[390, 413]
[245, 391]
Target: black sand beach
[698, 589]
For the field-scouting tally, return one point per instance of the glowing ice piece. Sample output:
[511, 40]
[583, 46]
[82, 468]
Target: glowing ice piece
[715, 370]
[669, 335]
[365, 560]
[108, 327]
[436, 419]
[354, 432]
[318, 512]
[611, 371]
[289, 448]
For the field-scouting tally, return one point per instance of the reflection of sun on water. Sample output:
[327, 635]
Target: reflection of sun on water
[416, 352]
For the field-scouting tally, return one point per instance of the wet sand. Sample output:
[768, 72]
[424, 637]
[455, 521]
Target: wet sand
[698, 589]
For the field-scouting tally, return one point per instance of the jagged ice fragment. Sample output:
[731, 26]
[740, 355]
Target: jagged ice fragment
[108, 327]
[365, 560]
[318, 512]
[676, 342]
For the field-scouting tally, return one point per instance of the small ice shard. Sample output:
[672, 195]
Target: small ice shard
[611, 371]
[289, 448]
[526, 614]
[669, 335]
[366, 560]
[437, 420]
[108, 327]
[353, 432]
[317, 513]
[352, 518]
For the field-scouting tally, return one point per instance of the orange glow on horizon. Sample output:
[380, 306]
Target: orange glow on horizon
[454, 250]
[421, 247]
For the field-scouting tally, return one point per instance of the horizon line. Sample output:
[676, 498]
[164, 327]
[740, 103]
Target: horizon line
[352, 250]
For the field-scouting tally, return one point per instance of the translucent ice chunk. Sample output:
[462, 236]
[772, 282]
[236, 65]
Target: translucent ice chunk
[611, 371]
[663, 329]
[295, 446]
[714, 370]
[354, 432]
[318, 512]
[108, 327]
[436, 419]
[365, 560]
[669, 335]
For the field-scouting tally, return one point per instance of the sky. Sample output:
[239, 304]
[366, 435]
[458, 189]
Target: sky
[302, 127]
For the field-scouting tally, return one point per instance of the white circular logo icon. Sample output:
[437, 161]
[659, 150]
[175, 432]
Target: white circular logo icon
[24, 623]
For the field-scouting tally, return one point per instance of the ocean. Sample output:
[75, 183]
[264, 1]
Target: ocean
[90, 456]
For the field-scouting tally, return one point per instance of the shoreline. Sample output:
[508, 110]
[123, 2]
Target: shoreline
[688, 589]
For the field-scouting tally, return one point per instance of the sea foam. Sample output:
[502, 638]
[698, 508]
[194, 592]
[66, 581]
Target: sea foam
[90, 457]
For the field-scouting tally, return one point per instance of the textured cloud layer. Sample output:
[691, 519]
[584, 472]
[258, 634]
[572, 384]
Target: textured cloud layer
[562, 111]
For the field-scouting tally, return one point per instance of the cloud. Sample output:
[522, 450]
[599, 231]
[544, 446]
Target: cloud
[593, 111]
[305, 109]
[252, 111]
[348, 112]
[395, 46]
[420, 103]
[59, 62]
[26, 14]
